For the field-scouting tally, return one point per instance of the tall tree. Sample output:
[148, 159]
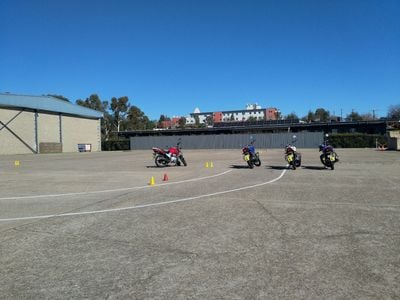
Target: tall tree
[367, 117]
[310, 117]
[292, 116]
[321, 114]
[137, 120]
[182, 122]
[119, 107]
[394, 112]
[162, 119]
[209, 120]
[354, 116]
[94, 102]
[197, 120]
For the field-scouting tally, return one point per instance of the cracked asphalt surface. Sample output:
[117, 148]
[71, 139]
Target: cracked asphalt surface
[311, 234]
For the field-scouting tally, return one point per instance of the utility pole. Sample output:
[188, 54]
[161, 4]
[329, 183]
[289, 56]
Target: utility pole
[373, 113]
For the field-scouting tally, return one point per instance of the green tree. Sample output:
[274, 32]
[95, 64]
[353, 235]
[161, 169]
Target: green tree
[209, 120]
[196, 120]
[119, 108]
[161, 120]
[182, 122]
[367, 117]
[95, 103]
[322, 115]
[354, 117]
[292, 116]
[310, 117]
[394, 112]
[137, 120]
[252, 119]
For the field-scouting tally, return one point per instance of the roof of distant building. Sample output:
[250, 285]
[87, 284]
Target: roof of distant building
[47, 103]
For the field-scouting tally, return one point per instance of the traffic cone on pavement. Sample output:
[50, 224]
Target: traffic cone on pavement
[211, 165]
[206, 164]
[152, 181]
[165, 177]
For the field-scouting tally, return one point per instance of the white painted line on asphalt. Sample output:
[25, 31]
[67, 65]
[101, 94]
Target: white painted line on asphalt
[146, 205]
[113, 190]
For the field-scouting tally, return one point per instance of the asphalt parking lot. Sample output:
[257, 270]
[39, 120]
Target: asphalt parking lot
[89, 226]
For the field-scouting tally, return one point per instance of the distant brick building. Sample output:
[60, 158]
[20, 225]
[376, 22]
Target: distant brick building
[172, 123]
[252, 111]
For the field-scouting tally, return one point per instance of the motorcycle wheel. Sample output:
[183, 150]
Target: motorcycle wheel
[322, 159]
[332, 166]
[250, 163]
[293, 163]
[257, 162]
[297, 161]
[336, 157]
[183, 161]
[160, 161]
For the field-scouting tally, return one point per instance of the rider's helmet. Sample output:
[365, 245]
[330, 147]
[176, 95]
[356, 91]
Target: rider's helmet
[321, 147]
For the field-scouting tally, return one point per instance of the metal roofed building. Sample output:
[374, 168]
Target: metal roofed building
[44, 124]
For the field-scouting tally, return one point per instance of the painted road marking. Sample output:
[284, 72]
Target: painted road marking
[113, 190]
[146, 205]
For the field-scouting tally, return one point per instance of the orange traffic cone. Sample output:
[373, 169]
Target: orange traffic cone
[165, 177]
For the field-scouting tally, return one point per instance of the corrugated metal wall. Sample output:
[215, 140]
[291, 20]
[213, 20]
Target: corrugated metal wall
[229, 141]
[21, 132]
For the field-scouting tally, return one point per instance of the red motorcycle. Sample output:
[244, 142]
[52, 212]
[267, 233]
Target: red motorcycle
[172, 155]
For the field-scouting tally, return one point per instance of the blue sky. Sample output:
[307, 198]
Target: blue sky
[171, 56]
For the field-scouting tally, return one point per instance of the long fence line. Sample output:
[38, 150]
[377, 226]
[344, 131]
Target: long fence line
[228, 141]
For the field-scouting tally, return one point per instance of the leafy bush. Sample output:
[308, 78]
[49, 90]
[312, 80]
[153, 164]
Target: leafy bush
[356, 140]
[116, 145]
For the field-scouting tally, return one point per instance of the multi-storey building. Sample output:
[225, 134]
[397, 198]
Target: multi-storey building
[252, 112]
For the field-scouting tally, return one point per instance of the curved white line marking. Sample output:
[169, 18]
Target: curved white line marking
[145, 205]
[113, 190]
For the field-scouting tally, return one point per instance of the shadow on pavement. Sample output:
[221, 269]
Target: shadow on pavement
[313, 168]
[239, 167]
[156, 167]
[276, 167]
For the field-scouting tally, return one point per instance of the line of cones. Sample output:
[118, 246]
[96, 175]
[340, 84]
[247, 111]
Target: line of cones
[153, 181]
[209, 164]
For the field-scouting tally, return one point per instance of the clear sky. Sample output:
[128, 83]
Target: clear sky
[171, 56]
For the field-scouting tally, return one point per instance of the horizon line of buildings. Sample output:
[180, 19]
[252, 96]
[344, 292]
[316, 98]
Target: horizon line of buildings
[252, 111]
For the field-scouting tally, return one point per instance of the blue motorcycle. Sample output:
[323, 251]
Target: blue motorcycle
[251, 156]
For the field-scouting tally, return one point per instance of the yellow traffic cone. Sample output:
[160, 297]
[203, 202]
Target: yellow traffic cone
[152, 181]
[206, 164]
[16, 163]
[211, 165]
